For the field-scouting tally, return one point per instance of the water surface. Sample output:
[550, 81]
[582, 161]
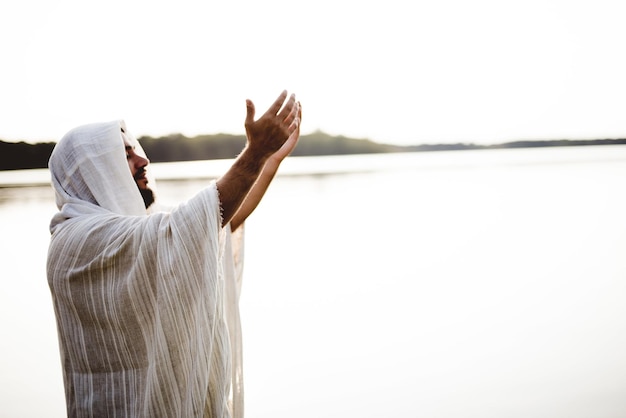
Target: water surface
[448, 284]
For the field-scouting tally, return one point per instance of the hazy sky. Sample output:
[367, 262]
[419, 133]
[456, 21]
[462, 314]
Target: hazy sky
[393, 71]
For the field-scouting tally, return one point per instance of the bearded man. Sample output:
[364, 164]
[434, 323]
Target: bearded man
[146, 301]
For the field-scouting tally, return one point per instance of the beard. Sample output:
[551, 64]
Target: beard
[147, 195]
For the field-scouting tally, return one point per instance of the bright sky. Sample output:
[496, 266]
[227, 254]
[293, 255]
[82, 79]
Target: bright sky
[393, 71]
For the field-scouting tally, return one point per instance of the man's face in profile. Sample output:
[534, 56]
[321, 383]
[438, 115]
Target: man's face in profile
[137, 164]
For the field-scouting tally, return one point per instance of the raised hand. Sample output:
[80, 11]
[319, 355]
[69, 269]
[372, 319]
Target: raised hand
[273, 134]
[283, 123]
[292, 141]
[277, 125]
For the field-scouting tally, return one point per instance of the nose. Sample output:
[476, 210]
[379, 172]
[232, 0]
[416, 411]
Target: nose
[137, 163]
[142, 161]
[139, 160]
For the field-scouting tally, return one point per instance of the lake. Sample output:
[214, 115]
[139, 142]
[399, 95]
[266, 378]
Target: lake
[488, 283]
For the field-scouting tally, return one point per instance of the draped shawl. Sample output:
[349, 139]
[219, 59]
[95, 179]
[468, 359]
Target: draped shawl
[146, 304]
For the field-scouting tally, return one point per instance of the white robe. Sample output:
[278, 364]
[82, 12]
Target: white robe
[146, 304]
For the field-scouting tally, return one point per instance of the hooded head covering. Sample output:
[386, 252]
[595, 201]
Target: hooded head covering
[90, 172]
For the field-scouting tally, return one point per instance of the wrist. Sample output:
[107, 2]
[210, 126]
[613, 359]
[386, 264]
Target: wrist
[253, 160]
[273, 161]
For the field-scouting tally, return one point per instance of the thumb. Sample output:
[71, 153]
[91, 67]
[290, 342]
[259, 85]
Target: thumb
[249, 111]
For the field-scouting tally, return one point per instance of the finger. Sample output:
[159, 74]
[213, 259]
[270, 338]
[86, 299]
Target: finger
[296, 114]
[295, 124]
[293, 114]
[249, 112]
[299, 111]
[288, 108]
[275, 107]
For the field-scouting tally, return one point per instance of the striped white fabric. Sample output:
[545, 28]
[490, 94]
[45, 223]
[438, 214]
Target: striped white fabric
[146, 305]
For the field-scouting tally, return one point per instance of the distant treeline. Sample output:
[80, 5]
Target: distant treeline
[176, 147]
[213, 147]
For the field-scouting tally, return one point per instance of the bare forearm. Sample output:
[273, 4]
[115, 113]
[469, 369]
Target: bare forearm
[237, 182]
[256, 194]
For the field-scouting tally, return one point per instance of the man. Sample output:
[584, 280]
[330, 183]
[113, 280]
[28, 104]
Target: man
[147, 304]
